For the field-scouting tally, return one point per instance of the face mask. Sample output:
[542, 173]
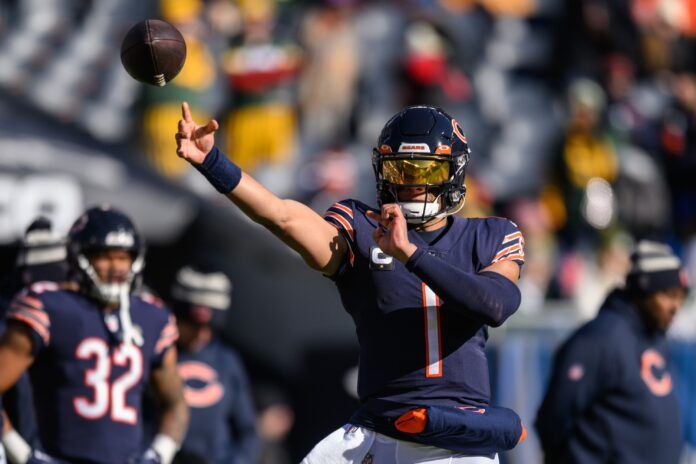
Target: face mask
[105, 292]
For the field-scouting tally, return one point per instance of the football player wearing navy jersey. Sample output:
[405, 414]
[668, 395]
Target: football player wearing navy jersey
[91, 352]
[41, 257]
[421, 284]
[222, 427]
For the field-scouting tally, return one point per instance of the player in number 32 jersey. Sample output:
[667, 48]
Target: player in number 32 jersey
[93, 351]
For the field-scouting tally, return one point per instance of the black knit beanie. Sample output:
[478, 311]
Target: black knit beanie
[654, 268]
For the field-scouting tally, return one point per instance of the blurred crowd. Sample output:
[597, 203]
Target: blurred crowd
[581, 114]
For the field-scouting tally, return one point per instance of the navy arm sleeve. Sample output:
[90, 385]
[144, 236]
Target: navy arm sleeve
[577, 378]
[488, 296]
[242, 417]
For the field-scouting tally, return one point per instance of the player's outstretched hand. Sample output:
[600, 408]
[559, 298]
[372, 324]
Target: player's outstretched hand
[193, 141]
[392, 233]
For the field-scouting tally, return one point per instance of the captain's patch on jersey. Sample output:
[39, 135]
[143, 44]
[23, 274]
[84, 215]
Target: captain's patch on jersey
[380, 261]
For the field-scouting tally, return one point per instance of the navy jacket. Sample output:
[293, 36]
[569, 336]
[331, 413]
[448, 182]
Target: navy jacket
[222, 425]
[610, 397]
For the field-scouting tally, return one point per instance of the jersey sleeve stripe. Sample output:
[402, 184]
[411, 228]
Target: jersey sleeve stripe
[164, 343]
[169, 328]
[345, 225]
[33, 314]
[335, 211]
[169, 335]
[507, 250]
[515, 257]
[34, 324]
[39, 315]
[30, 302]
[511, 237]
[344, 208]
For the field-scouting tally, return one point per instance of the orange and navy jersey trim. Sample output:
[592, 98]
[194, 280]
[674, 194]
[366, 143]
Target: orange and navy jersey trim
[29, 309]
[340, 215]
[152, 299]
[168, 336]
[511, 248]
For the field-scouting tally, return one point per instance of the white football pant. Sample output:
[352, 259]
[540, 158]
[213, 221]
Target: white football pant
[356, 445]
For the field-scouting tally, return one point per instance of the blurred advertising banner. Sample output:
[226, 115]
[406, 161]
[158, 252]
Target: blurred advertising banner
[47, 171]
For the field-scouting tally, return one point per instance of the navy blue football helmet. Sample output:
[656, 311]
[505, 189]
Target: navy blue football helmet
[98, 229]
[422, 146]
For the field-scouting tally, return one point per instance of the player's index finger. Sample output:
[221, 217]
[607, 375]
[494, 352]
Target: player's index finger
[185, 112]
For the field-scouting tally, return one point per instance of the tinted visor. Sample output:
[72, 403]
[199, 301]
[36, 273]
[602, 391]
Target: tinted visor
[415, 171]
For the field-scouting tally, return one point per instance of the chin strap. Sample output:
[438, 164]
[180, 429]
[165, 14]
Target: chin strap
[130, 335]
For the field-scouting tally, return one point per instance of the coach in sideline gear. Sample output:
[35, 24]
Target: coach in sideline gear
[222, 427]
[610, 398]
[423, 287]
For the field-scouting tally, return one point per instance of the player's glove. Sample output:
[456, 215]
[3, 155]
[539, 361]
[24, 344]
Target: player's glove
[19, 452]
[161, 451]
[149, 457]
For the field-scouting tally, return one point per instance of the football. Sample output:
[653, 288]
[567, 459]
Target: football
[153, 51]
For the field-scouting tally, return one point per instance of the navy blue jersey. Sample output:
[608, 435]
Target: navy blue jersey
[17, 402]
[610, 398]
[415, 348]
[221, 426]
[87, 384]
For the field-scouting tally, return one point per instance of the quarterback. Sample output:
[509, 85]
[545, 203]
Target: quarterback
[421, 284]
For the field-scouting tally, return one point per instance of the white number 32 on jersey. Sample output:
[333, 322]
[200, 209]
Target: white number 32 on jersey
[106, 393]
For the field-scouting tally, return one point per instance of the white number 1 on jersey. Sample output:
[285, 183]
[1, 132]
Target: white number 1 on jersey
[433, 343]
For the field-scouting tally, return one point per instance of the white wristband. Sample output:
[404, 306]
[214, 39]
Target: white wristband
[166, 447]
[18, 450]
